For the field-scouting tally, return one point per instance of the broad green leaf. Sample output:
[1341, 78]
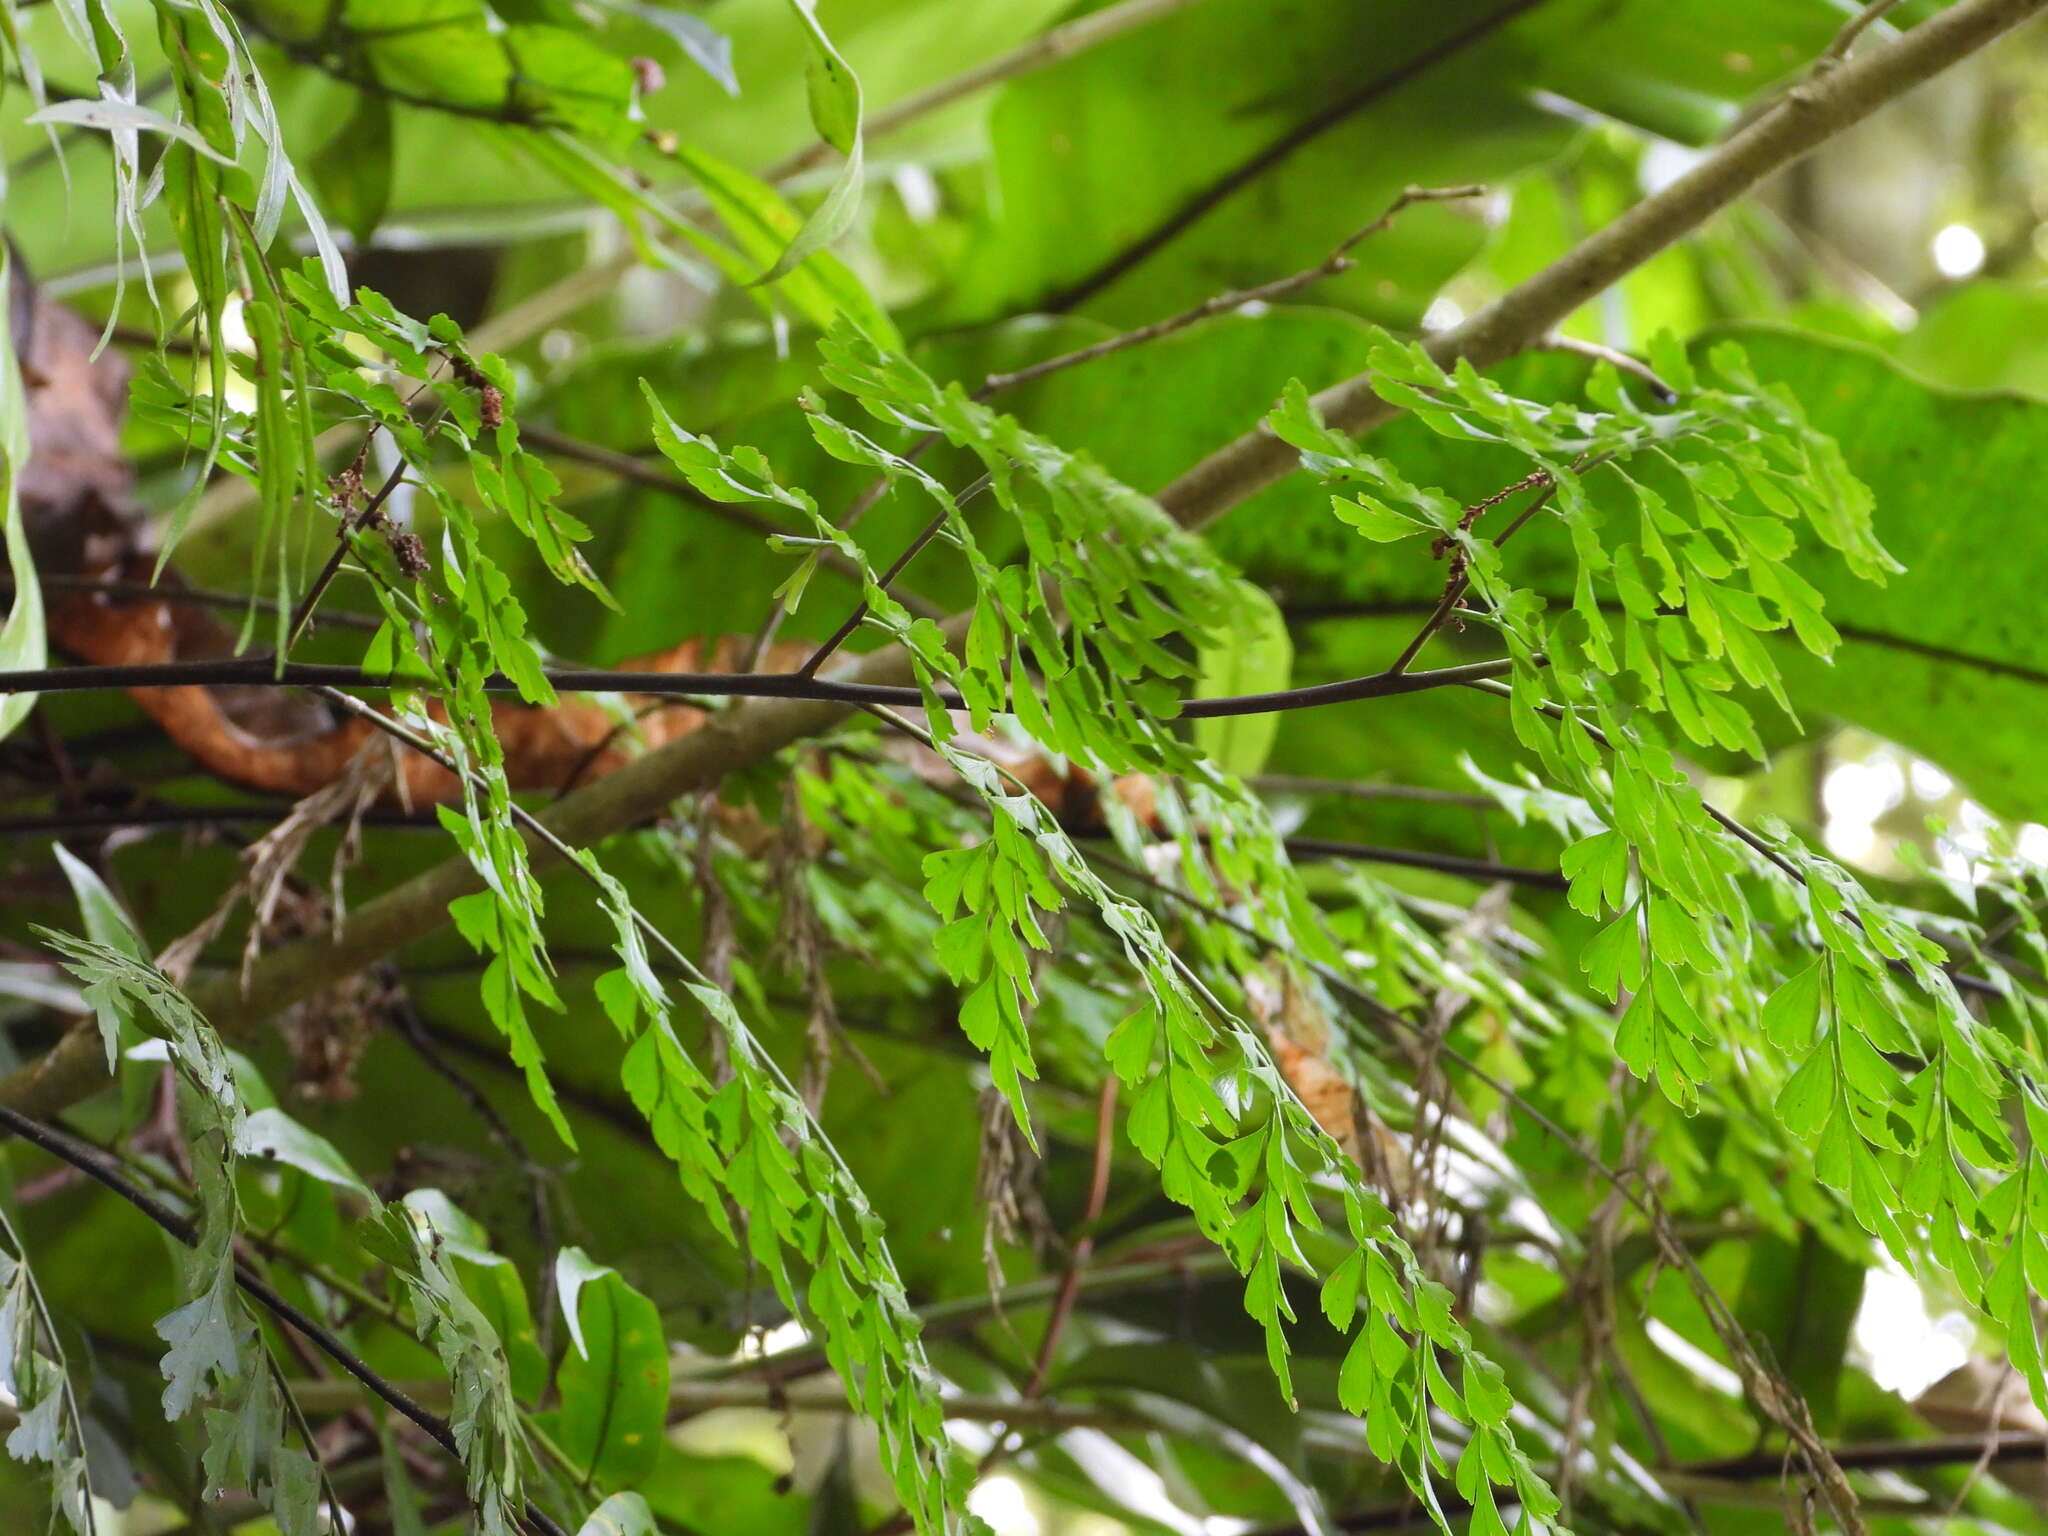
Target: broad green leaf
[401, 1499]
[352, 171]
[499, 1292]
[1181, 104]
[273, 1135]
[1979, 335]
[1254, 654]
[614, 1380]
[1949, 638]
[623, 1514]
[466, 59]
[1801, 1298]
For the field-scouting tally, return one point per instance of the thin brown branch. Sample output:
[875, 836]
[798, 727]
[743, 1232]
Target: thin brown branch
[689, 1397]
[1050, 47]
[1614, 357]
[1339, 260]
[1727, 823]
[1321, 612]
[887, 579]
[1459, 577]
[1857, 25]
[617, 1113]
[1763, 850]
[1413, 858]
[853, 620]
[371, 514]
[1195, 208]
[350, 523]
[183, 597]
[1375, 685]
[1084, 1244]
[639, 471]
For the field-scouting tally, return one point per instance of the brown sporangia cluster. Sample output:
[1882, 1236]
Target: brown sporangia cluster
[490, 399]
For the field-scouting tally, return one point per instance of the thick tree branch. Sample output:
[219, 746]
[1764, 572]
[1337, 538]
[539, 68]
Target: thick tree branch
[1808, 115]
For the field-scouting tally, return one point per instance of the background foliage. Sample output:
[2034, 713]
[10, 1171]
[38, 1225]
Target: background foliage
[1054, 1096]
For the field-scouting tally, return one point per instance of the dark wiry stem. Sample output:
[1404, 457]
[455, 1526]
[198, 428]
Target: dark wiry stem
[96, 1166]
